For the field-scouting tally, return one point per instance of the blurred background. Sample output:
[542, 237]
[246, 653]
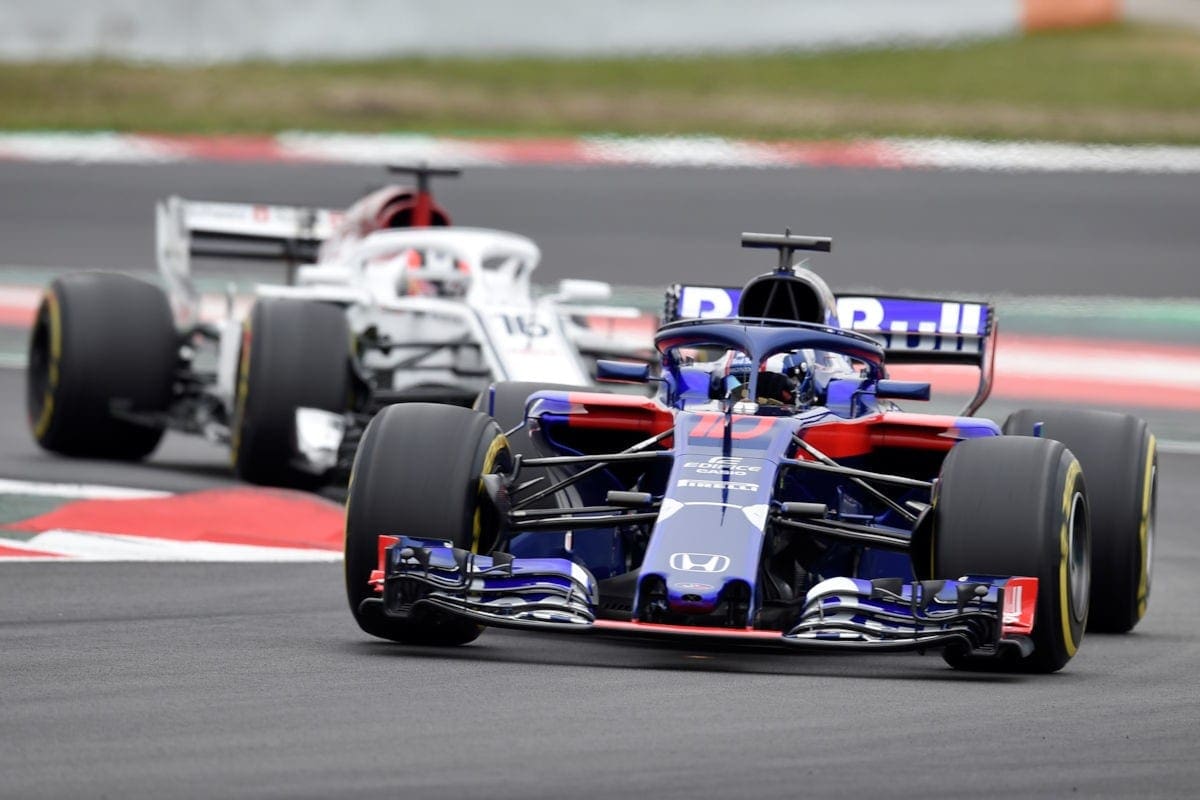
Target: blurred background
[1084, 70]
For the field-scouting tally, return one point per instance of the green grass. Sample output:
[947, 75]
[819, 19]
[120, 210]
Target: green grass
[1119, 84]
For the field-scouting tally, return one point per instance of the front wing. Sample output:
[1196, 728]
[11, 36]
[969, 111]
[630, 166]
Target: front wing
[982, 615]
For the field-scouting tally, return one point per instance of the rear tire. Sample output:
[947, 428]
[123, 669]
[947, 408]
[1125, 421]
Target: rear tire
[1120, 461]
[417, 472]
[294, 354]
[99, 340]
[1016, 506]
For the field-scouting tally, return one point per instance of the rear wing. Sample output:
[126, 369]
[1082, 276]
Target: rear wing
[185, 228]
[911, 330]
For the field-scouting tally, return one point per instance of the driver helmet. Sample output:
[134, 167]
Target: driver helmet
[434, 274]
[739, 366]
[779, 379]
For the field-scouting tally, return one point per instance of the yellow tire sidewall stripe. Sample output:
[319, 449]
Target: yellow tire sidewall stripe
[42, 425]
[499, 443]
[1143, 591]
[1064, 595]
[243, 389]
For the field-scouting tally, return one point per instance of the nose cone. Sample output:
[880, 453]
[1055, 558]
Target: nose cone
[693, 594]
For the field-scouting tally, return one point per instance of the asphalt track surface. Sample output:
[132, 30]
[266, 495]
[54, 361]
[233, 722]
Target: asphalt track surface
[1026, 234]
[165, 680]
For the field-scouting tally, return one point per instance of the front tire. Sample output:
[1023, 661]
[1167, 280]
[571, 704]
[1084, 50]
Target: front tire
[101, 340]
[294, 354]
[506, 400]
[417, 472]
[1120, 461]
[1017, 506]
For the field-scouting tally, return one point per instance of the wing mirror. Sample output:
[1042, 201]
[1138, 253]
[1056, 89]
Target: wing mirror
[622, 371]
[578, 290]
[901, 390]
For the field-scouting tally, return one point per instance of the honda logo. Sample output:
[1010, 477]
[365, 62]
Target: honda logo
[699, 562]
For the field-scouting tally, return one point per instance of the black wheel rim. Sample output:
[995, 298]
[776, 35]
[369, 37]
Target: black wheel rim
[38, 369]
[1079, 572]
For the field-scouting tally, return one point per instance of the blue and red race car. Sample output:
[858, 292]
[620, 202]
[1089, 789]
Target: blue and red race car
[770, 492]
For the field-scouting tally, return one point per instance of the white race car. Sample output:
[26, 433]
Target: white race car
[396, 305]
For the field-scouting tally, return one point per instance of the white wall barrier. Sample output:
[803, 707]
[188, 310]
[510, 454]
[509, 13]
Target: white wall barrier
[225, 30]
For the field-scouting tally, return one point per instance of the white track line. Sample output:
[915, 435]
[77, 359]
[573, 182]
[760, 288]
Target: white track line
[89, 546]
[1178, 447]
[1035, 156]
[691, 151]
[77, 491]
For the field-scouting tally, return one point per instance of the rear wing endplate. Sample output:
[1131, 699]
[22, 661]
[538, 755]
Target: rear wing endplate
[244, 231]
[911, 330]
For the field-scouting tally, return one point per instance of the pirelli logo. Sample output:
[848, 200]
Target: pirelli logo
[732, 486]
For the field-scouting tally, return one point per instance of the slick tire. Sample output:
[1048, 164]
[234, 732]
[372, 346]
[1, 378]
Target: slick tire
[103, 345]
[418, 472]
[294, 354]
[1120, 462]
[1018, 506]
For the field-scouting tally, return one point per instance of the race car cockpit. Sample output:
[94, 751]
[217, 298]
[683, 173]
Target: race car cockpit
[909, 329]
[767, 367]
[432, 273]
